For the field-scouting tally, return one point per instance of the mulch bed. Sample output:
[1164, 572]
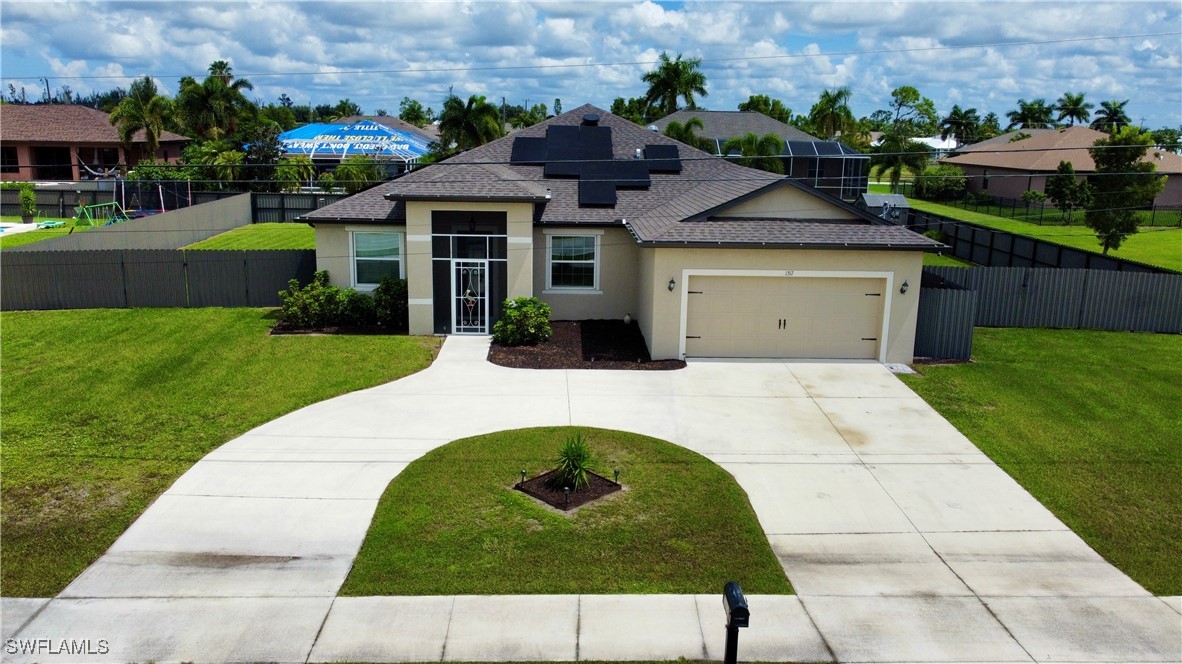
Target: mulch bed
[587, 344]
[541, 488]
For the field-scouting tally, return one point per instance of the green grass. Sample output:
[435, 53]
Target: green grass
[452, 524]
[103, 409]
[1154, 245]
[262, 236]
[1089, 423]
[944, 261]
[8, 240]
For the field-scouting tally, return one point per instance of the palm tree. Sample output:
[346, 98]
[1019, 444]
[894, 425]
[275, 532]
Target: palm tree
[961, 124]
[1034, 114]
[673, 80]
[1111, 116]
[831, 114]
[897, 152]
[684, 132]
[1072, 107]
[762, 152]
[143, 108]
[211, 108]
[469, 125]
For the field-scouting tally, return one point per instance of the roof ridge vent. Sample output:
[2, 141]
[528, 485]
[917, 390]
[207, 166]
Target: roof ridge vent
[591, 119]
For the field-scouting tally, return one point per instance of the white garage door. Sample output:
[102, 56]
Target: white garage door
[791, 317]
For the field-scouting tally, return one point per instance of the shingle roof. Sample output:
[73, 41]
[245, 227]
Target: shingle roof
[798, 233]
[878, 200]
[63, 123]
[706, 185]
[1043, 152]
[721, 125]
[1002, 139]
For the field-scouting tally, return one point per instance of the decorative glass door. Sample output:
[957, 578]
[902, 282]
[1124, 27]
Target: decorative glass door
[469, 296]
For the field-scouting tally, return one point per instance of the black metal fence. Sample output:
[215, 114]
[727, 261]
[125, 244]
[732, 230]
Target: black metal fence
[1046, 214]
[955, 297]
[993, 248]
[122, 278]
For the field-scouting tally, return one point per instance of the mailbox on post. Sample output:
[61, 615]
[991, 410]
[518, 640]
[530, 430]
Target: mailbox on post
[737, 615]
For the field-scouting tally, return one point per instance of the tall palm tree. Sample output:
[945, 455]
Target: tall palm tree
[684, 132]
[469, 125]
[213, 107]
[1072, 107]
[672, 80]
[1033, 114]
[762, 152]
[897, 152]
[831, 114]
[143, 108]
[1111, 116]
[961, 124]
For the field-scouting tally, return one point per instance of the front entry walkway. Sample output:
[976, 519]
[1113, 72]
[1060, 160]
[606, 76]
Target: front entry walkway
[903, 541]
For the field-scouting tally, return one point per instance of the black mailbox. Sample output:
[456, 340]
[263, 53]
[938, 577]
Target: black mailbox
[737, 614]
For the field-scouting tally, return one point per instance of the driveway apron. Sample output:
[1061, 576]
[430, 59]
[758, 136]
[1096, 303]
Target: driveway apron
[903, 541]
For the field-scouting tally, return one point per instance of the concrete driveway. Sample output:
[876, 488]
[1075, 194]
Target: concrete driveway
[903, 541]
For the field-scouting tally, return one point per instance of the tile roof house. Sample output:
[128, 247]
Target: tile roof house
[600, 218]
[830, 166]
[68, 142]
[1005, 169]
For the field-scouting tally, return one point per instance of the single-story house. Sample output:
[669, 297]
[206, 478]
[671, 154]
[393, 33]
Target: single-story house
[829, 166]
[600, 218]
[69, 142]
[428, 133]
[1006, 168]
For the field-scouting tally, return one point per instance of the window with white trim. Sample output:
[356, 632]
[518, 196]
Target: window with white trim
[375, 255]
[574, 262]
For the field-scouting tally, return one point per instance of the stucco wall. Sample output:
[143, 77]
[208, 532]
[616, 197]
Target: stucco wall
[618, 272]
[788, 201]
[661, 319]
[519, 218]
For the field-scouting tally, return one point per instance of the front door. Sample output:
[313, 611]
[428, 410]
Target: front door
[469, 296]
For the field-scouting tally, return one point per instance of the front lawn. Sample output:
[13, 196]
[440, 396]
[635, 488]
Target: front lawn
[262, 236]
[1089, 423]
[1161, 246]
[103, 409]
[452, 524]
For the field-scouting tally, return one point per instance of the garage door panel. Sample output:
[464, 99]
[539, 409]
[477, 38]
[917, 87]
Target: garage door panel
[801, 317]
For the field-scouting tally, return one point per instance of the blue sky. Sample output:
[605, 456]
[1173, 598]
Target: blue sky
[985, 55]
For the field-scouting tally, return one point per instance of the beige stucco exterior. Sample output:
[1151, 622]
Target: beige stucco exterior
[662, 316]
[618, 277]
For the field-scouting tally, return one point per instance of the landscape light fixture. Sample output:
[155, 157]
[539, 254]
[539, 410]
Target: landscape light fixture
[617, 472]
[904, 287]
[672, 284]
[566, 496]
[523, 476]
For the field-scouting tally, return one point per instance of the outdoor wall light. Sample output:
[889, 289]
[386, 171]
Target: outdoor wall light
[672, 285]
[904, 287]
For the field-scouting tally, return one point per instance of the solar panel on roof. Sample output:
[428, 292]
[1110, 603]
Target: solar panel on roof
[528, 150]
[595, 142]
[663, 158]
[597, 192]
[631, 173]
[562, 151]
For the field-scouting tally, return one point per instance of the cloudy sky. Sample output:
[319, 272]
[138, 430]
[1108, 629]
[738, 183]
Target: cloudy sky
[977, 54]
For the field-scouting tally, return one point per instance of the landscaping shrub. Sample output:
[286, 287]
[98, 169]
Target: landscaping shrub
[574, 461]
[316, 305]
[940, 182]
[357, 308]
[391, 305]
[1032, 197]
[526, 320]
[935, 235]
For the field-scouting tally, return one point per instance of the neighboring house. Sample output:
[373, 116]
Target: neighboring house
[428, 133]
[328, 144]
[600, 218]
[68, 142]
[1005, 168]
[829, 166]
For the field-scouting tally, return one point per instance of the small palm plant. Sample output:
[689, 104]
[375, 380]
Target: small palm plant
[574, 459]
